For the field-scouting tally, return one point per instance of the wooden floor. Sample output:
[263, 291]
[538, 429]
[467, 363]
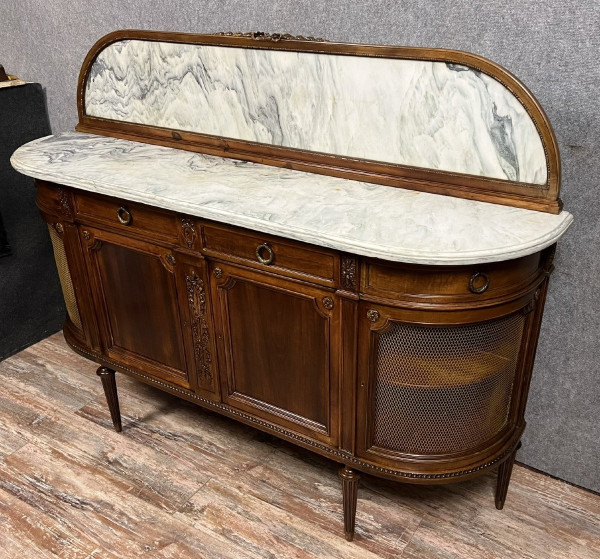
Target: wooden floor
[180, 482]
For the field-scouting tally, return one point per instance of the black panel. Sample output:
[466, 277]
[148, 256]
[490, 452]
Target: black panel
[31, 303]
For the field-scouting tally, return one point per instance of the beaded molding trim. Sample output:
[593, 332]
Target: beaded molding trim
[347, 458]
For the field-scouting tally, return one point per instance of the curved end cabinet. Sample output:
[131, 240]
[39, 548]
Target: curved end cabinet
[406, 361]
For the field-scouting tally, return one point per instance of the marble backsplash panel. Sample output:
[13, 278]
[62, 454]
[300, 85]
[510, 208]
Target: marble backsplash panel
[433, 115]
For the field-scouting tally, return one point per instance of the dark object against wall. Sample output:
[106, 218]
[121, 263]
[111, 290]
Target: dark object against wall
[4, 246]
[31, 303]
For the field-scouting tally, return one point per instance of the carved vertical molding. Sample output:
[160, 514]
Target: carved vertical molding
[196, 296]
[349, 273]
[65, 202]
[530, 307]
[188, 229]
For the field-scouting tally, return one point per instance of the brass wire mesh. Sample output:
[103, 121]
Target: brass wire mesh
[64, 276]
[444, 389]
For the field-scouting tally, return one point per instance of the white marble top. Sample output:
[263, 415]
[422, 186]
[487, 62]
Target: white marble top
[361, 218]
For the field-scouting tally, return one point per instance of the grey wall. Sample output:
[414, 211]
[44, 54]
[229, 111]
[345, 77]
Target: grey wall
[552, 46]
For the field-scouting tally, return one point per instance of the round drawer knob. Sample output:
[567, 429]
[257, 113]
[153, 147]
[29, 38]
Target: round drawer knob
[124, 216]
[479, 282]
[264, 254]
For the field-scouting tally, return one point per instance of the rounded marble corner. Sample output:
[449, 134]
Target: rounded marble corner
[362, 218]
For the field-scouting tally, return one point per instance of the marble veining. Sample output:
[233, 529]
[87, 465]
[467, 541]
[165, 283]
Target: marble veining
[362, 218]
[426, 114]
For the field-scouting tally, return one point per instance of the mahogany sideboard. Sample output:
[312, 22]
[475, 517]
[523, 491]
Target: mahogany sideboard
[383, 312]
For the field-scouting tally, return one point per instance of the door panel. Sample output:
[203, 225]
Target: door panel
[435, 389]
[136, 296]
[281, 362]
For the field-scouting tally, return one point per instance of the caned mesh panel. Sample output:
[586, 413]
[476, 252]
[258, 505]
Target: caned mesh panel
[444, 389]
[65, 277]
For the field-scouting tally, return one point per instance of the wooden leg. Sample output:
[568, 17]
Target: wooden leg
[107, 376]
[349, 492]
[504, 472]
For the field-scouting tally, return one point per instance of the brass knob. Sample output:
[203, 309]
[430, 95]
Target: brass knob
[124, 216]
[264, 249]
[481, 288]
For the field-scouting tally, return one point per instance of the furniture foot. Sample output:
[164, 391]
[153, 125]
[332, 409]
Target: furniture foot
[504, 472]
[107, 376]
[349, 494]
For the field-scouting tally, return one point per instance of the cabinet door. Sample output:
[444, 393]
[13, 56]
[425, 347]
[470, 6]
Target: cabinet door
[436, 384]
[278, 350]
[136, 298]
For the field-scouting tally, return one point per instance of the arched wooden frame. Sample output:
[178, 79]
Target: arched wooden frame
[500, 191]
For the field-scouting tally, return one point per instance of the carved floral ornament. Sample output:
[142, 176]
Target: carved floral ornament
[188, 228]
[196, 297]
[328, 303]
[349, 272]
[273, 37]
[373, 315]
[65, 204]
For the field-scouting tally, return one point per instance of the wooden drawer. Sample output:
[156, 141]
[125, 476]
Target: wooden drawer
[449, 283]
[270, 253]
[126, 216]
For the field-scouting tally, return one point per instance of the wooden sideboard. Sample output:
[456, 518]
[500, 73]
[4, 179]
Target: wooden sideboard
[412, 371]
[416, 373]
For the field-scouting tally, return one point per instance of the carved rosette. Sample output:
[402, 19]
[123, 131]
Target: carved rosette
[188, 228]
[200, 334]
[349, 273]
[91, 242]
[328, 303]
[373, 315]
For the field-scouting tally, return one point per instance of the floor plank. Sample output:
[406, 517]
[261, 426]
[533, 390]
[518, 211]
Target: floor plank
[184, 482]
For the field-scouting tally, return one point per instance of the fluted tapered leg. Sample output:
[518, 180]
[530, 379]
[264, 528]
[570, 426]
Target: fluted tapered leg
[504, 473]
[107, 376]
[349, 494]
